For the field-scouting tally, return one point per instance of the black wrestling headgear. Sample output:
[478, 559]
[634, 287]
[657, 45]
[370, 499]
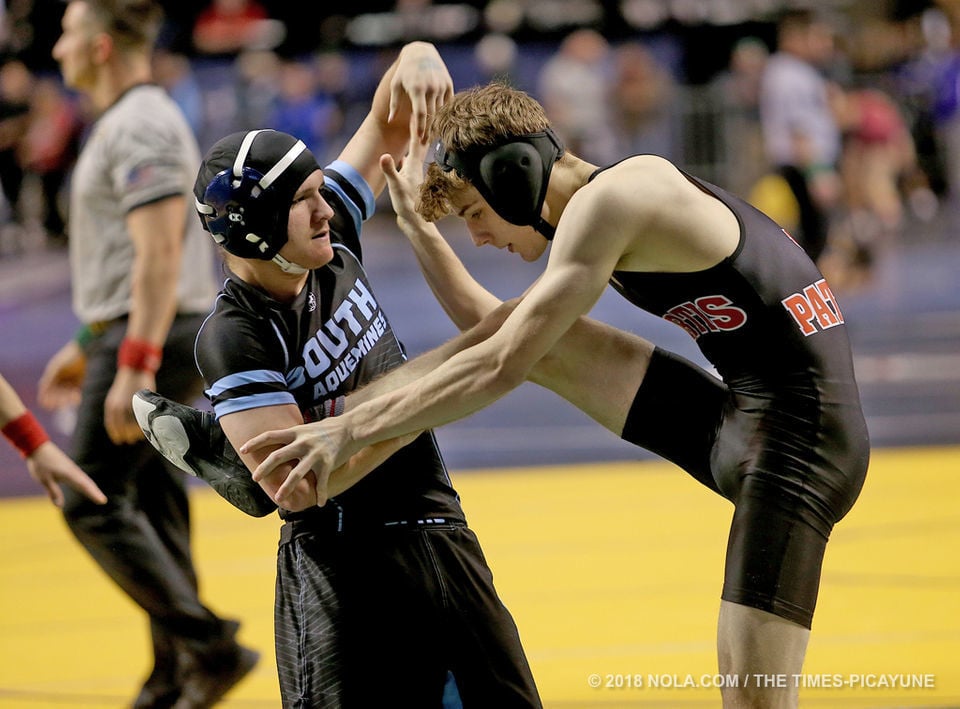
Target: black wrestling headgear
[512, 175]
[245, 187]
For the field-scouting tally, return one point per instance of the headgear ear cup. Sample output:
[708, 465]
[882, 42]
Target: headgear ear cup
[242, 216]
[513, 178]
[512, 175]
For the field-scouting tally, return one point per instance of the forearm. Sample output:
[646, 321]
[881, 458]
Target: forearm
[157, 234]
[241, 426]
[11, 406]
[465, 301]
[466, 382]
[153, 299]
[425, 363]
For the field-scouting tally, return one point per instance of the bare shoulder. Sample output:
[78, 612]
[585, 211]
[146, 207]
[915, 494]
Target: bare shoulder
[665, 221]
[640, 169]
[643, 182]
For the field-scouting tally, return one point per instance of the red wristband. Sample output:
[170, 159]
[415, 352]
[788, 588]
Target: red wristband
[25, 433]
[140, 355]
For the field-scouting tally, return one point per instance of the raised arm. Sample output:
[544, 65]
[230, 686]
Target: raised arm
[465, 301]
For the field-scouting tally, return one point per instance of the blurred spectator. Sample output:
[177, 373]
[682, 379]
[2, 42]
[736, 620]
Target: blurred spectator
[258, 85]
[226, 27]
[740, 90]
[878, 159]
[641, 104]
[31, 28]
[916, 82]
[574, 88]
[878, 154]
[379, 25]
[801, 136]
[49, 149]
[16, 83]
[173, 72]
[946, 110]
[496, 57]
[302, 109]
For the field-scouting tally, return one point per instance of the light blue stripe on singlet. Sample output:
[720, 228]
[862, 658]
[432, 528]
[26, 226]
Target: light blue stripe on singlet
[240, 379]
[254, 401]
[350, 174]
[250, 401]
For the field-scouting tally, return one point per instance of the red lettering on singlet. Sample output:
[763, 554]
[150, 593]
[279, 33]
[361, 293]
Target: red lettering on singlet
[814, 309]
[710, 313]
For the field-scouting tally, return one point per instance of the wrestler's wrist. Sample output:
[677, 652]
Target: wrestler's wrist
[359, 428]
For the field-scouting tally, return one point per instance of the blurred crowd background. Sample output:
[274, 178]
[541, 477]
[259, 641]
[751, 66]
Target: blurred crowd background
[680, 78]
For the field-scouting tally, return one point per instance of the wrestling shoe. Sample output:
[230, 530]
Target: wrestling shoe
[194, 442]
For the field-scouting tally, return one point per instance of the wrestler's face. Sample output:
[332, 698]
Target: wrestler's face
[308, 227]
[486, 227]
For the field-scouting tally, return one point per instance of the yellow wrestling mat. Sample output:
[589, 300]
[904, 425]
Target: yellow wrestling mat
[612, 572]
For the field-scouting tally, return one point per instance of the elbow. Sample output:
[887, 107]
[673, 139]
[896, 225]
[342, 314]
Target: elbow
[507, 374]
[481, 326]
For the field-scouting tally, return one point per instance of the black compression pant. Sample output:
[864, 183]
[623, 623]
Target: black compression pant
[787, 491]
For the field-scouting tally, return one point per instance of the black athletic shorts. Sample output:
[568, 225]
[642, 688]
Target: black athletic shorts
[789, 483]
[384, 618]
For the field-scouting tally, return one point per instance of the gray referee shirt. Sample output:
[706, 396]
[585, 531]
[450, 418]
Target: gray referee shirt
[141, 150]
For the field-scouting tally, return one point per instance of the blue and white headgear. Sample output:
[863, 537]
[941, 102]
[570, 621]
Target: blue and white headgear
[244, 190]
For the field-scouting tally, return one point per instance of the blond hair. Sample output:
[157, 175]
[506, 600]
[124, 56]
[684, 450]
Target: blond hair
[474, 118]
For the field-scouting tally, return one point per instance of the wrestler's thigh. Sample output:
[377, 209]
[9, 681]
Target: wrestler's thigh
[597, 368]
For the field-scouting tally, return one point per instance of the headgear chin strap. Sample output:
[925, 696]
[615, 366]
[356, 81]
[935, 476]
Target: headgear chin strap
[512, 175]
[243, 213]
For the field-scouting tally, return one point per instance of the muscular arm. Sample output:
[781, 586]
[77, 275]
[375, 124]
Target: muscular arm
[479, 373]
[157, 232]
[241, 426]
[472, 307]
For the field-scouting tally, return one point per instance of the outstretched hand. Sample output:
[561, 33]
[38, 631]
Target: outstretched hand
[50, 467]
[404, 182]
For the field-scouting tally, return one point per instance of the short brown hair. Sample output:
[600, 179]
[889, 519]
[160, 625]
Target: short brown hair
[475, 117]
[133, 24]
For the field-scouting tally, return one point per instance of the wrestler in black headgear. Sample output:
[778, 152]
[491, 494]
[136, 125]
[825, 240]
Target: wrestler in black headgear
[512, 175]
